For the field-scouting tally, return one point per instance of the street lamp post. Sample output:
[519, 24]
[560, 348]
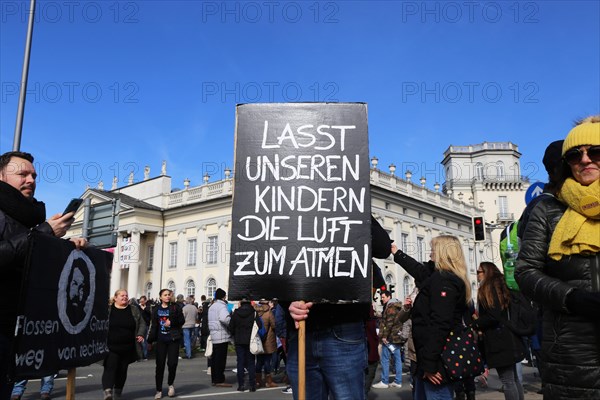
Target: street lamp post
[24, 76]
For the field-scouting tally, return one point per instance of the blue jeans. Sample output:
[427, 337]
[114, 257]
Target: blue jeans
[425, 390]
[385, 363]
[46, 386]
[188, 333]
[336, 359]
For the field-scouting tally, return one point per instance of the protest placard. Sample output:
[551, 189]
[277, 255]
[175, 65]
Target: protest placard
[301, 205]
[63, 313]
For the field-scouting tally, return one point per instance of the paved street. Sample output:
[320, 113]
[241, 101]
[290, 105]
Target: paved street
[192, 382]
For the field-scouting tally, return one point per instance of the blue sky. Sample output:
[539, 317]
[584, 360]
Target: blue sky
[117, 85]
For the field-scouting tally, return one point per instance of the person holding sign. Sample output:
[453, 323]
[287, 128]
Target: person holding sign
[20, 213]
[126, 326]
[336, 351]
[166, 331]
[444, 295]
[559, 267]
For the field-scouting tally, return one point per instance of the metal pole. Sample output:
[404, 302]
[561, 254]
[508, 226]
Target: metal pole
[25, 74]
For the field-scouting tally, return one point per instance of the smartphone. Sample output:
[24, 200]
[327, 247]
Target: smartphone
[73, 206]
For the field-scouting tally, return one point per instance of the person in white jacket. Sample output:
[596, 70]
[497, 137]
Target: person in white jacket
[218, 325]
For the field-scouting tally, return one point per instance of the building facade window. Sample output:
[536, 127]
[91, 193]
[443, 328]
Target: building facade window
[173, 255]
[404, 242]
[472, 260]
[190, 288]
[148, 290]
[479, 171]
[420, 249]
[212, 248]
[389, 281]
[171, 286]
[150, 257]
[500, 169]
[211, 287]
[405, 287]
[503, 207]
[192, 252]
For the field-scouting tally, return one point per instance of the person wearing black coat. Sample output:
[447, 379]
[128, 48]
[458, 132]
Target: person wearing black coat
[335, 339]
[444, 292]
[20, 215]
[240, 327]
[559, 267]
[502, 348]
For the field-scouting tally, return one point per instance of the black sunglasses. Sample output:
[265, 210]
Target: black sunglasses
[574, 156]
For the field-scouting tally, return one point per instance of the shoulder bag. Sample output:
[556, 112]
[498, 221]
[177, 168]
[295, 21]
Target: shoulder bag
[256, 346]
[461, 357]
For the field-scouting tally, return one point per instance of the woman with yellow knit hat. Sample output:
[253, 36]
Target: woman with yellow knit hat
[559, 267]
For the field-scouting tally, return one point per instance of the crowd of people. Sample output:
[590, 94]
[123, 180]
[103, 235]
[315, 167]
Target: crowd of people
[557, 268]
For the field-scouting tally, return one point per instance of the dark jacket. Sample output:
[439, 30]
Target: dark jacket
[570, 343]
[391, 324]
[204, 319]
[437, 310]
[241, 323]
[140, 329]
[177, 320]
[18, 217]
[501, 346]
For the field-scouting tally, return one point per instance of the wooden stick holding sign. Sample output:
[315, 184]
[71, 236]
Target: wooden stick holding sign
[302, 360]
[71, 384]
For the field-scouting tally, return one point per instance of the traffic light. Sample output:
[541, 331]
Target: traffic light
[479, 229]
[392, 290]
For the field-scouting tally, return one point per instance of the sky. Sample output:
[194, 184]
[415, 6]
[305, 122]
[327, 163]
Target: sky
[115, 86]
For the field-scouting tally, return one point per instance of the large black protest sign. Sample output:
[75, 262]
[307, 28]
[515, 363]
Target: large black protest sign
[63, 313]
[301, 206]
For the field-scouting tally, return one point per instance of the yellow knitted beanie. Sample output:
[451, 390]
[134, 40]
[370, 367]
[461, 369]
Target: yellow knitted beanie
[584, 134]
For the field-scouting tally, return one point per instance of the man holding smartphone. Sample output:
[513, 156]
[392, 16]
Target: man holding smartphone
[20, 213]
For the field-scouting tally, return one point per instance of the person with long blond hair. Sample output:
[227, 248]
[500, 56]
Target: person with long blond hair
[125, 327]
[444, 295]
[503, 349]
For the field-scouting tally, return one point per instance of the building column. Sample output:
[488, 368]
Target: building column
[134, 265]
[222, 258]
[201, 260]
[181, 262]
[115, 274]
[157, 268]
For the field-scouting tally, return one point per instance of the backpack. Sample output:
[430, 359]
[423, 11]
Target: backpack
[509, 249]
[262, 332]
[522, 315]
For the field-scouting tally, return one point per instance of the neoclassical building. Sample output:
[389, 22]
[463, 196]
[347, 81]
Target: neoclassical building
[180, 238]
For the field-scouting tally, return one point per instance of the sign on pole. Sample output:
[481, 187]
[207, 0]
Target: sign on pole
[102, 225]
[301, 207]
[534, 191]
[63, 313]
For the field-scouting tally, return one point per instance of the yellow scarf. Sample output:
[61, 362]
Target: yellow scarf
[578, 231]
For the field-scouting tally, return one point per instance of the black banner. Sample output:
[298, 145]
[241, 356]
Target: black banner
[301, 206]
[63, 313]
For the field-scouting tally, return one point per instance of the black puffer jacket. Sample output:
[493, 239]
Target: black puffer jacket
[18, 217]
[570, 343]
[437, 310]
